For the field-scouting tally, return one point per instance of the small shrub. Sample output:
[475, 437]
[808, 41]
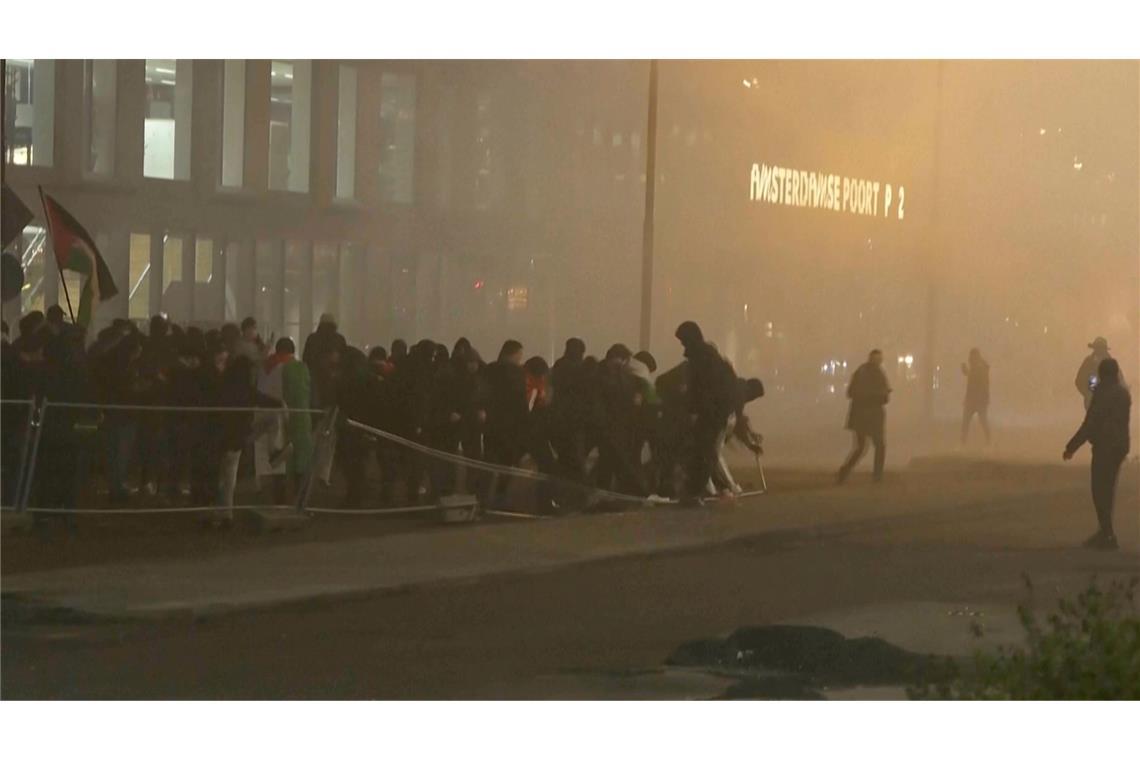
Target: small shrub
[1089, 648]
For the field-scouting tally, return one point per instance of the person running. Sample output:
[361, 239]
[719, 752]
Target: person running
[869, 392]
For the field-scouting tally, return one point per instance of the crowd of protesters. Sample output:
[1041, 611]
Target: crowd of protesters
[154, 406]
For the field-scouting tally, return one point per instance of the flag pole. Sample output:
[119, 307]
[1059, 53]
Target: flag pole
[51, 234]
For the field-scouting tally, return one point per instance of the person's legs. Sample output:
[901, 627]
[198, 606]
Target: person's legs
[1105, 470]
[703, 455]
[120, 447]
[352, 461]
[967, 415]
[878, 439]
[227, 480]
[856, 454]
[983, 418]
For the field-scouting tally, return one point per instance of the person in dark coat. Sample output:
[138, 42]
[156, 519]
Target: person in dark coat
[1106, 427]
[621, 400]
[65, 380]
[570, 381]
[506, 428]
[465, 408]
[673, 439]
[711, 397]
[358, 395]
[869, 392]
[321, 354]
[977, 400]
[235, 429]
[1087, 376]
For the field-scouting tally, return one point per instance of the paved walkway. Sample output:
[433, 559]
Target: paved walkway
[308, 571]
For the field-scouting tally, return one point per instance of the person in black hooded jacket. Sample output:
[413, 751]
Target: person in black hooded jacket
[569, 410]
[1106, 427]
[711, 396]
[506, 428]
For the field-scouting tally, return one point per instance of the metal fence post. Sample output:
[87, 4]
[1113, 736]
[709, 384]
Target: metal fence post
[324, 435]
[25, 449]
[36, 417]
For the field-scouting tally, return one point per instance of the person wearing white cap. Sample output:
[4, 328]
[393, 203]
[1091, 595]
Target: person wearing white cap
[1087, 375]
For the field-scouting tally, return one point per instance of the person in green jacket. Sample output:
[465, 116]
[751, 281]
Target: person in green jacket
[287, 378]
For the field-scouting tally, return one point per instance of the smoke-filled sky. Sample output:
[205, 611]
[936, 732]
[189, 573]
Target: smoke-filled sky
[1018, 183]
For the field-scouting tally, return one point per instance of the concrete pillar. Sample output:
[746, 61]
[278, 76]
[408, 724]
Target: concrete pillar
[205, 126]
[131, 85]
[368, 135]
[44, 83]
[232, 120]
[183, 116]
[70, 144]
[300, 132]
[324, 163]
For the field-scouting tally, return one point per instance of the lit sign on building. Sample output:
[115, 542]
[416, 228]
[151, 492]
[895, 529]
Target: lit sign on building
[779, 185]
[517, 298]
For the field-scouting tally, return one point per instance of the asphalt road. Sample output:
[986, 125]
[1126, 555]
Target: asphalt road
[532, 636]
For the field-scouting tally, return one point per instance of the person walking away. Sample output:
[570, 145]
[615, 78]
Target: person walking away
[1087, 374]
[711, 398]
[977, 401]
[869, 392]
[1106, 427]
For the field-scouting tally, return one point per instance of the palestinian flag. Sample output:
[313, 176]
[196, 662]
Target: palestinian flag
[75, 250]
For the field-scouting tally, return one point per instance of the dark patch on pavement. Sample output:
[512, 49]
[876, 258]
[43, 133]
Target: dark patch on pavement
[799, 661]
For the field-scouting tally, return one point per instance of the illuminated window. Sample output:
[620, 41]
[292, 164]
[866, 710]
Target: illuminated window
[174, 292]
[397, 137]
[289, 112]
[267, 296]
[351, 317]
[325, 279]
[208, 293]
[517, 298]
[346, 133]
[74, 282]
[239, 282]
[166, 126]
[487, 174]
[29, 105]
[296, 286]
[233, 123]
[138, 299]
[33, 248]
[100, 105]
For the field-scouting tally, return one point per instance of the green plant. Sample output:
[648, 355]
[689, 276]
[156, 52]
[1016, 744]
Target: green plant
[1089, 648]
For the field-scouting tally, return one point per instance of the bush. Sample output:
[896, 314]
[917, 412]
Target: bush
[1089, 648]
